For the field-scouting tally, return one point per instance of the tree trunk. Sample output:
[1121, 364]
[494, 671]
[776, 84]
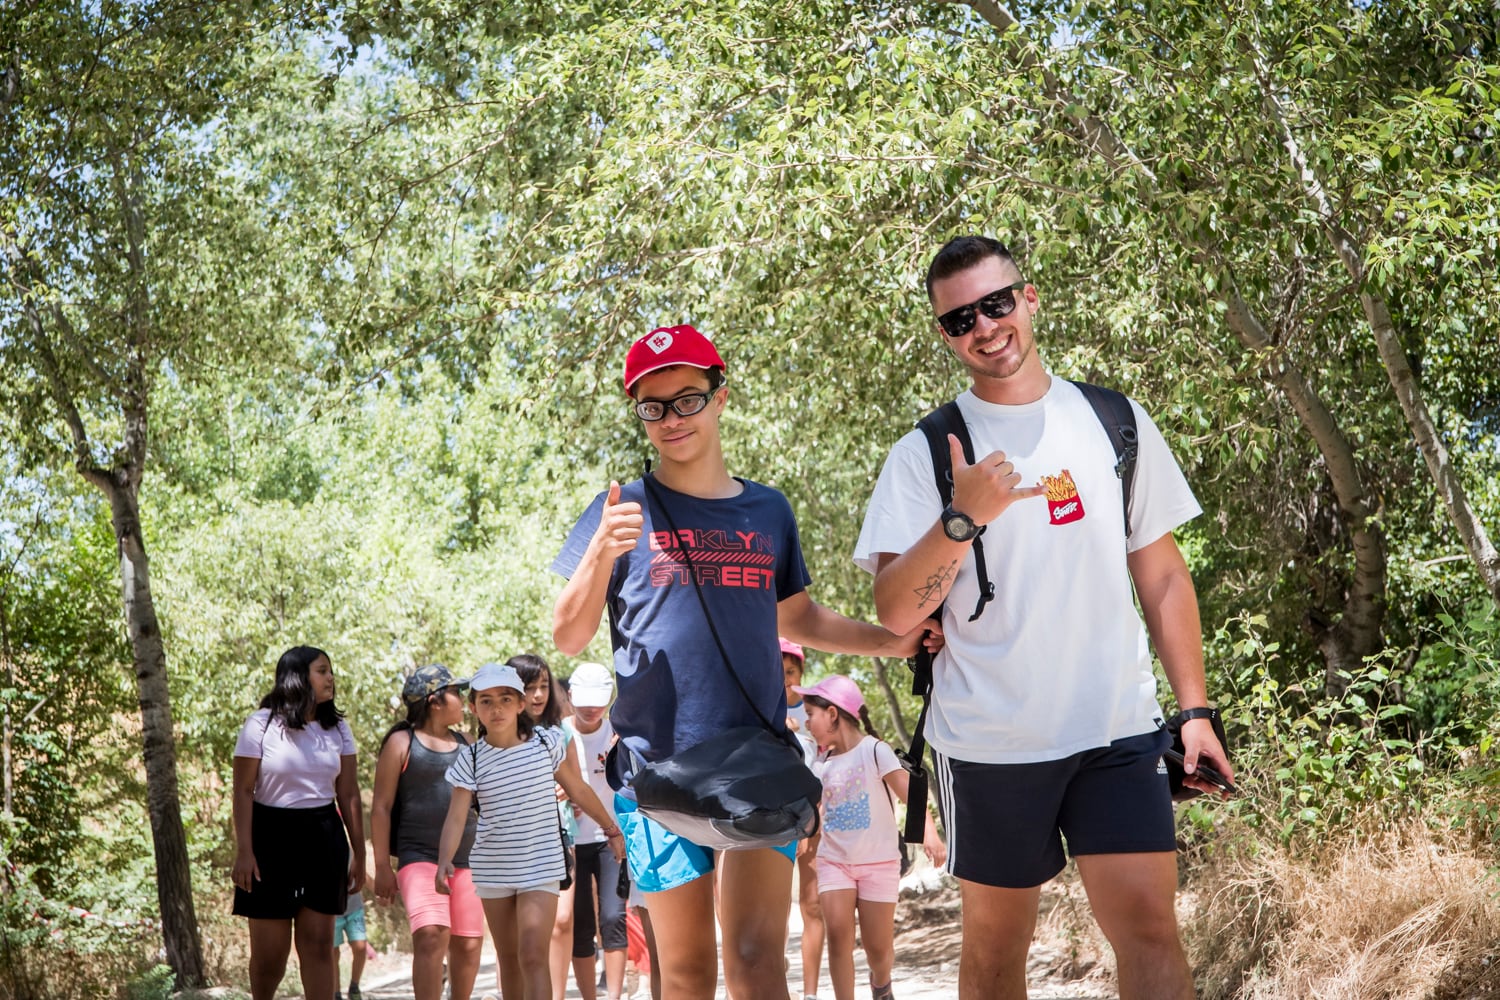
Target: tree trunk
[1419, 421]
[1357, 633]
[174, 884]
[1404, 381]
[883, 679]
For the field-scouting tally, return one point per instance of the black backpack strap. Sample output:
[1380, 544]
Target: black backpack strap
[936, 426]
[474, 763]
[1118, 417]
[916, 788]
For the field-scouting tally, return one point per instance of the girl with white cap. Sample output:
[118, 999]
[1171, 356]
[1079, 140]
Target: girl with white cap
[517, 860]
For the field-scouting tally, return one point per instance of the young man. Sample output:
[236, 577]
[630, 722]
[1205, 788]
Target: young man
[1044, 713]
[673, 690]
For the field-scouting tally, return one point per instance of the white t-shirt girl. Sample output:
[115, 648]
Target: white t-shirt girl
[298, 767]
[592, 748]
[859, 827]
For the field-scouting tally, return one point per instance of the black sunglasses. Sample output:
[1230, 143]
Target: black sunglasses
[999, 303]
[689, 403]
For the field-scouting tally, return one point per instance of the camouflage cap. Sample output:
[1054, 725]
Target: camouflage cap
[429, 680]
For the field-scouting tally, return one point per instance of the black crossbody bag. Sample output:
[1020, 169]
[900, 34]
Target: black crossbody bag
[743, 788]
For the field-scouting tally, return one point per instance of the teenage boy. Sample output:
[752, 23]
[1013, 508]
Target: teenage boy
[1044, 713]
[673, 690]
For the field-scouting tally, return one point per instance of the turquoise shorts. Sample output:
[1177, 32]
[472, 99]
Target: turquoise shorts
[350, 925]
[659, 859]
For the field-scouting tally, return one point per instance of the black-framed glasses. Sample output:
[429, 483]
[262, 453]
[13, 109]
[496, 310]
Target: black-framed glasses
[689, 403]
[999, 303]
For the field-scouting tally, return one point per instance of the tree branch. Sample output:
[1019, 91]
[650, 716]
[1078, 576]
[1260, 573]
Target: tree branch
[1387, 341]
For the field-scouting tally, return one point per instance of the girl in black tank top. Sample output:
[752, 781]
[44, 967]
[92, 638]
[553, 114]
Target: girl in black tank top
[408, 805]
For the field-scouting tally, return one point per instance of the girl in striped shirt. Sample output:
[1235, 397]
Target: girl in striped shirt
[517, 858]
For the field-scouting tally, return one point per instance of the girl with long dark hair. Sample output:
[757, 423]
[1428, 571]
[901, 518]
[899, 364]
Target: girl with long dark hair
[296, 796]
[411, 790]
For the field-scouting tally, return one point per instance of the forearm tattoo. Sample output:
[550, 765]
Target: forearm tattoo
[932, 591]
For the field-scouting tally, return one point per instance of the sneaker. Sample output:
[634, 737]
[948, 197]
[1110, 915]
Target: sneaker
[881, 992]
[354, 993]
[338, 995]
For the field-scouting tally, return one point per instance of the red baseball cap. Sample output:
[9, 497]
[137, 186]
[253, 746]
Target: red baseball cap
[667, 346]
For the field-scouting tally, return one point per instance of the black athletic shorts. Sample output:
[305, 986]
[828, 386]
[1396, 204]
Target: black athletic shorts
[1006, 823]
[303, 857]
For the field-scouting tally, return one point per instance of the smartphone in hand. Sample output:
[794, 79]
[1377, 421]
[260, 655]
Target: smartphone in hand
[1205, 771]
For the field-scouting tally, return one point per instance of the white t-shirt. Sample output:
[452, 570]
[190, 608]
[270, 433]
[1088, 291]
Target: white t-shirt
[298, 767]
[1059, 662]
[517, 842]
[592, 749]
[859, 826]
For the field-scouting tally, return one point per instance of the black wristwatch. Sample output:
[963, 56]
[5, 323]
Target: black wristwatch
[958, 526]
[1189, 714]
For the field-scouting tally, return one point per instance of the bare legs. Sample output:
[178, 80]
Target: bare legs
[521, 927]
[271, 943]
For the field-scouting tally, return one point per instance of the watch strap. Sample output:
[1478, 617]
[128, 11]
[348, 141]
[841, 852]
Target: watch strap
[1203, 712]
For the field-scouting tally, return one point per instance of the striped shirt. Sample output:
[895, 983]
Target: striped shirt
[517, 843]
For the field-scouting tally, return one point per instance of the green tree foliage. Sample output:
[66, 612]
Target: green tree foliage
[127, 256]
[331, 306]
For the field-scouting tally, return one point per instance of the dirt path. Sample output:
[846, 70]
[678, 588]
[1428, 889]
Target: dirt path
[927, 945]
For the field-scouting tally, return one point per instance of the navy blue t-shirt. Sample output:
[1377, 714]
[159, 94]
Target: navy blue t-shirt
[673, 688]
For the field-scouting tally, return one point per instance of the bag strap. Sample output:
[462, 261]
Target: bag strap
[936, 426]
[1118, 417]
[702, 601]
[912, 757]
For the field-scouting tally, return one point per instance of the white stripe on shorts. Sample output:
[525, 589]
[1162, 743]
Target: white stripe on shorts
[943, 775]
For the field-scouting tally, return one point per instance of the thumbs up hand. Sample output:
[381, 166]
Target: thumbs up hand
[983, 490]
[620, 525]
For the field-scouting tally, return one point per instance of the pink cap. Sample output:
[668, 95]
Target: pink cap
[836, 690]
[792, 649]
[667, 346]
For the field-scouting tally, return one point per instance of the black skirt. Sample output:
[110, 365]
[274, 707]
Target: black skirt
[303, 856]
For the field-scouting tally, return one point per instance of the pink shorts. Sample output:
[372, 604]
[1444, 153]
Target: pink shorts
[460, 911]
[878, 882]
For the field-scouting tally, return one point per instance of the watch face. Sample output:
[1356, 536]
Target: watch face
[958, 527]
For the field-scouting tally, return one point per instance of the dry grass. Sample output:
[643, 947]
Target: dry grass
[1402, 913]
[1407, 913]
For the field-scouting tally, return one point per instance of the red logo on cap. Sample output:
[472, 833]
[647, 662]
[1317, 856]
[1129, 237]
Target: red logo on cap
[659, 341]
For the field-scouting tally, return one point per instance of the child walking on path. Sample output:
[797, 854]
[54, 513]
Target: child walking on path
[517, 860]
[407, 809]
[859, 858]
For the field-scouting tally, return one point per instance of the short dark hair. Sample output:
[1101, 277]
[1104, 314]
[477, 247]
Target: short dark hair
[962, 253]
